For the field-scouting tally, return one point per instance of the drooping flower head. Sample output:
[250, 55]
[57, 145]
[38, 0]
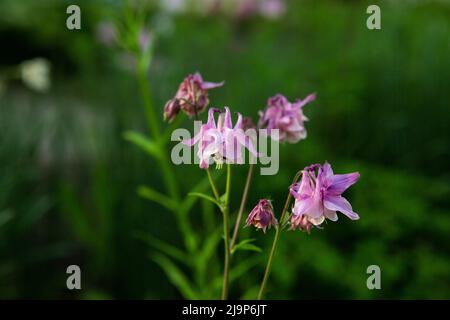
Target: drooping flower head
[247, 123]
[287, 117]
[191, 97]
[318, 196]
[221, 141]
[262, 216]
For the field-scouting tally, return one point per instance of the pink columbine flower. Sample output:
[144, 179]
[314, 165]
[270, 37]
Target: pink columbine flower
[262, 216]
[272, 9]
[221, 141]
[319, 196]
[191, 97]
[287, 117]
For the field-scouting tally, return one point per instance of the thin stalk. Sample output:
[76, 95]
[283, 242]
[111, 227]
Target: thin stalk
[226, 233]
[242, 206]
[163, 162]
[275, 241]
[169, 177]
[213, 185]
[150, 113]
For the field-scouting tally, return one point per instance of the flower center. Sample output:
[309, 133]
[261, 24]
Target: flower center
[218, 159]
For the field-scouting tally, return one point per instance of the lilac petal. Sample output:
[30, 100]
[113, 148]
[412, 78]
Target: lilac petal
[302, 205]
[338, 203]
[238, 124]
[327, 171]
[246, 142]
[300, 103]
[211, 123]
[227, 122]
[294, 192]
[194, 140]
[198, 77]
[305, 186]
[211, 85]
[330, 214]
[317, 221]
[204, 164]
[326, 175]
[340, 182]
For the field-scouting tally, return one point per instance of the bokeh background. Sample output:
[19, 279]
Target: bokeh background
[69, 179]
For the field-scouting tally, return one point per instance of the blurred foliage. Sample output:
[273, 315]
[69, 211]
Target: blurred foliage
[70, 182]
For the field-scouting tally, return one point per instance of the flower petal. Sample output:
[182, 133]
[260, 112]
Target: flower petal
[340, 182]
[302, 205]
[300, 103]
[211, 85]
[227, 121]
[194, 140]
[330, 214]
[338, 203]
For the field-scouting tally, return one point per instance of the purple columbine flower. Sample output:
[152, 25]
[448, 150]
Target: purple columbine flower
[171, 109]
[287, 117]
[262, 216]
[247, 123]
[191, 97]
[272, 9]
[222, 142]
[319, 196]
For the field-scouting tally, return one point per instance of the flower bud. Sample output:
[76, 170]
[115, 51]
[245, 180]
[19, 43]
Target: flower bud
[171, 109]
[262, 216]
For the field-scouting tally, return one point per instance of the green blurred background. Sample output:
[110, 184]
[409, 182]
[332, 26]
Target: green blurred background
[68, 178]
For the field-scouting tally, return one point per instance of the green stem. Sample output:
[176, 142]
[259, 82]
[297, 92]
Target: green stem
[275, 241]
[150, 113]
[226, 233]
[213, 186]
[226, 228]
[242, 206]
[169, 177]
[163, 162]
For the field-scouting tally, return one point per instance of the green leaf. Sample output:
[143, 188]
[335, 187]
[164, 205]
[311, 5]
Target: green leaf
[190, 201]
[206, 253]
[237, 271]
[163, 246]
[72, 210]
[175, 275]
[199, 187]
[144, 143]
[5, 216]
[206, 197]
[153, 195]
[246, 245]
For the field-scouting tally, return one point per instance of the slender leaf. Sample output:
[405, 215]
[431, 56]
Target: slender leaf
[163, 246]
[175, 275]
[206, 197]
[5, 216]
[246, 245]
[236, 272]
[202, 259]
[153, 195]
[144, 143]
